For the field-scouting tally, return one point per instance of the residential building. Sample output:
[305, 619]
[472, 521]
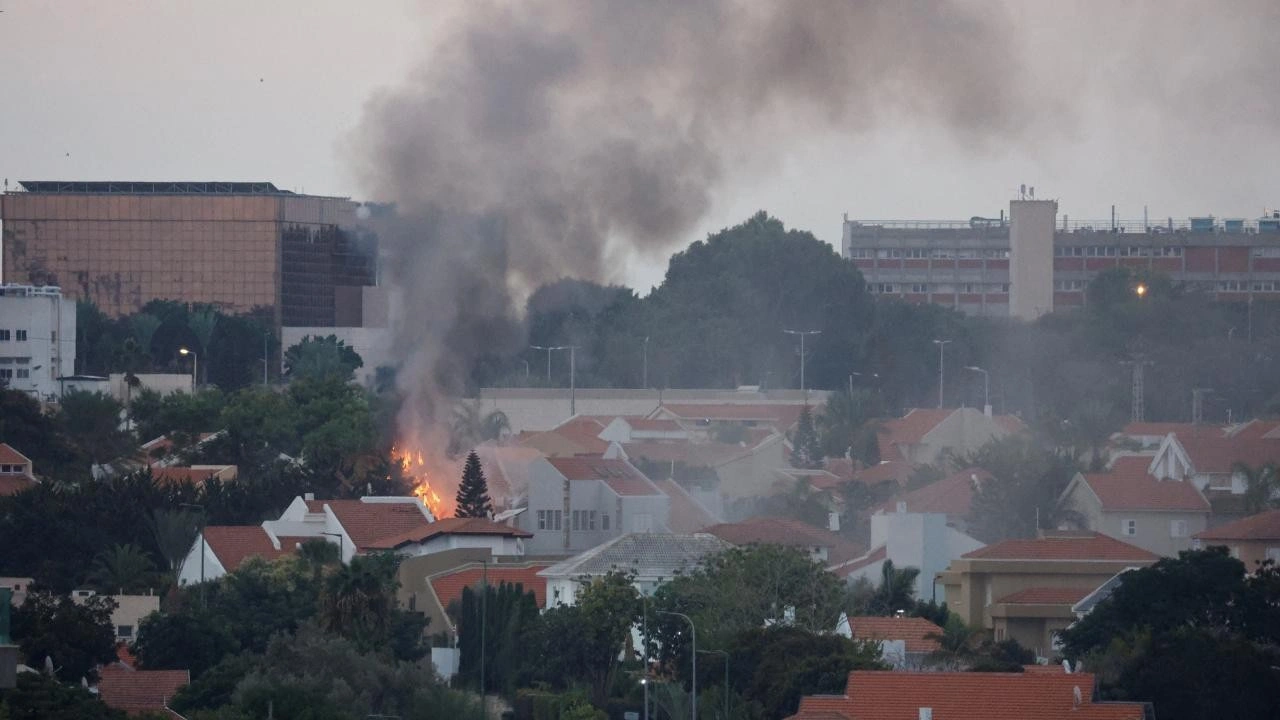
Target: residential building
[951, 496]
[234, 245]
[1024, 589]
[687, 512]
[1252, 540]
[141, 691]
[578, 435]
[1209, 461]
[576, 503]
[1035, 263]
[651, 558]
[743, 470]
[37, 338]
[17, 587]
[822, 546]
[920, 540]
[455, 533]
[905, 642]
[129, 612]
[1146, 436]
[922, 436]
[16, 473]
[731, 420]
[445, 587]
[639, 429]
[1130, 504]
[1043, 694]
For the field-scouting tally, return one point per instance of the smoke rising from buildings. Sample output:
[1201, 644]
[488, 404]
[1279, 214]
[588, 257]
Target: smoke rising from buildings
[543, 140]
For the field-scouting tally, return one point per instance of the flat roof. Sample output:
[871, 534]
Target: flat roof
[128, 187]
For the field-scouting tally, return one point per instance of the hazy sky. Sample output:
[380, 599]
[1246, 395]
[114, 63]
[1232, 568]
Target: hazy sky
[1170, 105]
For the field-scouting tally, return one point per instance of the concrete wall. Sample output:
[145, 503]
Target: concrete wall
[547, 492]
[48, 321]
[163, 383]
[920, 540]
[1031, 227]
[1154, 529]
[373, 345]
[971, 592]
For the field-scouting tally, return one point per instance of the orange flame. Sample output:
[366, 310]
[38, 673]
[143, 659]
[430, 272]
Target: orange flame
[413, 464]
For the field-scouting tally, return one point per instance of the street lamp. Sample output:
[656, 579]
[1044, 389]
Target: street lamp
[195, 366]
[341, 560]
[726, 678]
[644, 381]
[942, 364]
[858, 374]
[694, 656]
[549, 349]
[986, 388]
[1141, 290]
[802, 334]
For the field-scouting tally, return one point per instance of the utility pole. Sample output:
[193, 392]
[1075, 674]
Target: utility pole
[693, 633]
[1197, 404]
[644, 382]
[802, 334]
[986, 388]
[484, 607]
[1137, 411]
[548, 348]
[573, 383]
[942, 366]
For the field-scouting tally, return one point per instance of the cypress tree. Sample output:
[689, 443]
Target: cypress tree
[473, 493]
[806, 449]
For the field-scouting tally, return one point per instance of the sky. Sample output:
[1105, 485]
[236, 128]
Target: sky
[1170, 106]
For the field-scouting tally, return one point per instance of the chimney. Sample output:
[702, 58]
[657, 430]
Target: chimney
[926, 713]
[902, 506]
[309, 496]
[986, 410]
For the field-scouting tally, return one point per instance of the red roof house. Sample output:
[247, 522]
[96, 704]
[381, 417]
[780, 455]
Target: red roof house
[139, 691]
[16, 474]
[1253, 539]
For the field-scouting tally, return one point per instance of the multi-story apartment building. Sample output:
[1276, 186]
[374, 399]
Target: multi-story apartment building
[1034, 262]
[37, 338]
[235, 245]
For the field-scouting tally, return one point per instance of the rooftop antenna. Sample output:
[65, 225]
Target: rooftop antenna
[1033, 192]
[1022, 191]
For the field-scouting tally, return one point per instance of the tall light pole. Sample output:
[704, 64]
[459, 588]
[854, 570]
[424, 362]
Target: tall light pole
[644, 382]
[548, 348]
[265, 336]
[802, 334]
[726, 678]
[573, 373]
[693, 633]
[858, 374]
[195, 366]
[986, 388]
[942, 365]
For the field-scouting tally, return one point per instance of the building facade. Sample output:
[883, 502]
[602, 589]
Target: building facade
[237, 246]
[37, 338]
[1035, 262]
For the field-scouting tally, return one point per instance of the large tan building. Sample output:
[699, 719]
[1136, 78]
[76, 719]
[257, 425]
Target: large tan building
[237, 246]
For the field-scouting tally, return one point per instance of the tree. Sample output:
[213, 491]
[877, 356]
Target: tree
[1022, 495]
[844, 413]
[123, 569]
[359, 602]
[192, 639]
[775, 666]
[473, 492]
[40, 697]
[897, 590]
[1262, 486]
[471, 425]
[92, 421]
[510, 615]
[321, 358]
[24, 426]
[78, 636]
[806, 450]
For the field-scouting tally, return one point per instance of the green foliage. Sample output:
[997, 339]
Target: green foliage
[321, 358]
[1262, 486]
[123, 569]
[806, 449]
[896, 590]
[358, 602]
[192, 639]
[471, 426]
[93, 422]
[78, 636]
[842, 417]
[1027, 480]
[473, 492]
[775, 666]
[40, 697]
[38, 436]
[510, 617]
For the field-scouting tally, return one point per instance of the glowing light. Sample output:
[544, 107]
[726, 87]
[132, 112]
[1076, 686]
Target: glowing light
[413, 463]
[1141, 290]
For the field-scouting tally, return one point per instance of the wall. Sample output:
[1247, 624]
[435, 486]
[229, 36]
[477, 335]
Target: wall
[1031, 224]
[1153, 529]
[920, 540]
[373, 345]
[43, 314]
[973, 585]
[163, 383]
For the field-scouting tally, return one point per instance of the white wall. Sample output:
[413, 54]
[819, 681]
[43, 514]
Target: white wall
[42, 314]
[1031, 224]
[920, 540]
[191, 571]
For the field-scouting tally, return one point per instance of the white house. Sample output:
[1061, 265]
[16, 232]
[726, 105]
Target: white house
[919, 540]
[37, 338]
[654, 558]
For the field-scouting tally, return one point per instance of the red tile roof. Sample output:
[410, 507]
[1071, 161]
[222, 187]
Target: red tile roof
[841, 467]
[780, 415]
[952, 495]
[909, 429]
[9, 456]
[879, 695]
[448, 526]
[685, 514]
[368, 522]
[1219, 455]
[898, 471]
[136, 691]
[691, 454]
[784, 531]
[183, 475]
[1065, 546]
[848, 568]
[585, 432]
[1164, 428]
[1254, 429]
[1263, 526]
[654, 424]
[619, 475]
[1045, 596]
[913, 631]
[233, 544]
[1146, 494]
[448, 585]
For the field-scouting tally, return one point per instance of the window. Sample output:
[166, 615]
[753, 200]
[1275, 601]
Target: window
[591, 520]
[6, 373]
[556, 517]
[995, 254]
[574, 517]
[413, 601]
[1177, 528]
[124, 631]
[1263, 252]
[604, 521]
[861, 253]
[23, 373]
[919, 287]
[943, 254]
[1129, 527]
[542, 519]
[915, 254]
[5, 335]
[21, 335]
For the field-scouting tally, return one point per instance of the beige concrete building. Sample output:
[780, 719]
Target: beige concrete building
[237, 246]
[1252, 540]
[1024, 589]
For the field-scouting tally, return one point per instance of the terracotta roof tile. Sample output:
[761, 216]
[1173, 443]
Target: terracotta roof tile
[1145, 493]
[448, 585]
[913, 631]
[10, 456]
[845, 569]
[691, 454]
[654, 424]
[909, 429]
[136, 691]
[1046, 596]
[448, 526]
[878, 695]
[1062, 546]
[841, 467]
[184, 475]
[898, 471]
[787, 532]
[1219, 455]
[780, 415]
[952, 495]
[368, 522]
[1164, 428]
[1263, 526]
[1254, 429]
[619, 475]
[233, 544]
[685, 514]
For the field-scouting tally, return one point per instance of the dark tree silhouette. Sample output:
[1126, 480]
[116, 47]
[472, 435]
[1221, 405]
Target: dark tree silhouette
[473, 493]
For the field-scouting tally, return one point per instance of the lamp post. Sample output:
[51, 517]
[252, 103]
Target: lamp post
[195, 366]
[644, 378]
[573, 378]
[203, 546]
[726, 678]
[942, 365]
[341, 560]
[802, 334]
[858, 374]
[986, 388]
[693, 633]
[548, 348]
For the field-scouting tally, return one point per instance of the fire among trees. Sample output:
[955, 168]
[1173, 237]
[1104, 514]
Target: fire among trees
[414, 466]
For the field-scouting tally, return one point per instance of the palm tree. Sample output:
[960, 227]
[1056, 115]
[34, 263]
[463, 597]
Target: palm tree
[956, 643]
[472, 426]
[174, 532]
[897, 590]
[1261, 485]
[123, 569]
[358, 599]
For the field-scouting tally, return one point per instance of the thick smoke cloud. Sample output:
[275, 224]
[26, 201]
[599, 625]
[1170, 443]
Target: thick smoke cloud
[549, 139]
